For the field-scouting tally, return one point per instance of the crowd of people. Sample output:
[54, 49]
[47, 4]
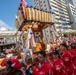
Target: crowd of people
[62, 61]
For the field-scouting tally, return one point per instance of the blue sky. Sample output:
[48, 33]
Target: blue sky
[8, 10]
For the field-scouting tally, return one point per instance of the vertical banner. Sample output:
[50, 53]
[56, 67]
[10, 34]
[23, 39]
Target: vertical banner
[46, 34]
[24, 5]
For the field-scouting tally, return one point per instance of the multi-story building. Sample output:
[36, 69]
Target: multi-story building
[59, 7]
[69, 1]
[8, 39]
[72, 14]
[73, 2]
[42, 4]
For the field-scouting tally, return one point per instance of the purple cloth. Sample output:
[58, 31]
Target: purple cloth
[31, 33]
[51, 31]
[23, 37]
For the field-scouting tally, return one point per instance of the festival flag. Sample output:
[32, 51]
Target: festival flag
[24, 3]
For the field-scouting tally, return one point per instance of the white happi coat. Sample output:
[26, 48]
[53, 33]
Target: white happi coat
[27, 43]
[30, 39]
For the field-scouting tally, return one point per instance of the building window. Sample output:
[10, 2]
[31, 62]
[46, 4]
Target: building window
[46, 9]
[44, 5]
[41, 8]
[41, 5]
[40, 1]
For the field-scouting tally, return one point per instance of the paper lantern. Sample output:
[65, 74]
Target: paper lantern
[32, 10]
[28, 13]
[40, 16]
[45, 16]
[37, 14]
[49, 17]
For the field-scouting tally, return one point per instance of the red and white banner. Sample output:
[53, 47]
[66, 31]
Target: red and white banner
[24, 3]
